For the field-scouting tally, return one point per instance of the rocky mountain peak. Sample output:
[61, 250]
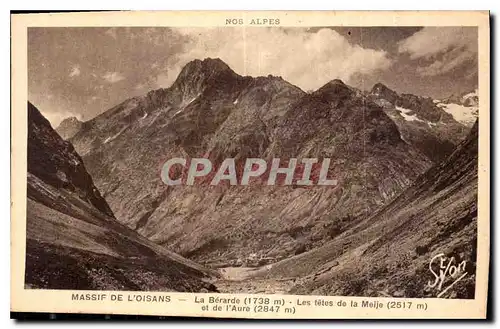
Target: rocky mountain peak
[213, 112]
[382, 91]
[206, 67]
[214, 63]
[69, 127]
[337, 82]
[463, 107]
[70, 120]
[198, 75]
[334, 90]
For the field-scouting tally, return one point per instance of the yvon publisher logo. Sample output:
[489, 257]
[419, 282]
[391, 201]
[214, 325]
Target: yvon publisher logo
[446, 272]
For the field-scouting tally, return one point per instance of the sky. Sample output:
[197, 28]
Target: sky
[85, 71]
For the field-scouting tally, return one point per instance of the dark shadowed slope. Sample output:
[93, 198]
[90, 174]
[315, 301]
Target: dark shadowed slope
[388, 254]
[73, 238]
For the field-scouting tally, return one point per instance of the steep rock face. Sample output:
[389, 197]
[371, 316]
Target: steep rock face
[212, 112]
[363, 142]
[421, 122]
[388, 254]
[73, 238]
[69, 127]
[55, 162]
[248, 130]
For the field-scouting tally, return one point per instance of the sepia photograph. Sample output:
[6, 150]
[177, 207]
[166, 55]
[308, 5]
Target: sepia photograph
[254, 157]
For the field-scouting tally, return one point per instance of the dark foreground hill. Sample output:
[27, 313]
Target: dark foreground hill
[73, 238]
[389, 253]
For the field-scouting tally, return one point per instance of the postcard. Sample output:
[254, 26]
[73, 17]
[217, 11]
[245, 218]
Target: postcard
[260, 165]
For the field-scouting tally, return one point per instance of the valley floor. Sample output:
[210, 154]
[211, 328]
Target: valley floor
[239, 280]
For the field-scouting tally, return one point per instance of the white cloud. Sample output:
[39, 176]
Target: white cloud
[308, 60]
[113, 77]
[75, 71]
[446, 48]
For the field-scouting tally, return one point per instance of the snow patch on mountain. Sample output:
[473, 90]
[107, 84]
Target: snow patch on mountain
[470, 95]
[109, 139]
[463, 114]
[405, 114]
[403, 139]
[157, 115]
[184, 104]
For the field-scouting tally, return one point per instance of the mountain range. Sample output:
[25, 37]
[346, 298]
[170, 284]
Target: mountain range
[402, 162]
[379, 141]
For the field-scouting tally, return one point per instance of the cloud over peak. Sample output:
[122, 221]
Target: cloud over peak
[441, 49]
[307, 59]
[98, 60]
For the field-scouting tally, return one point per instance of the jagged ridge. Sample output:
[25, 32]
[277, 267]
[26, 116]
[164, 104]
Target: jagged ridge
[421, 122]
